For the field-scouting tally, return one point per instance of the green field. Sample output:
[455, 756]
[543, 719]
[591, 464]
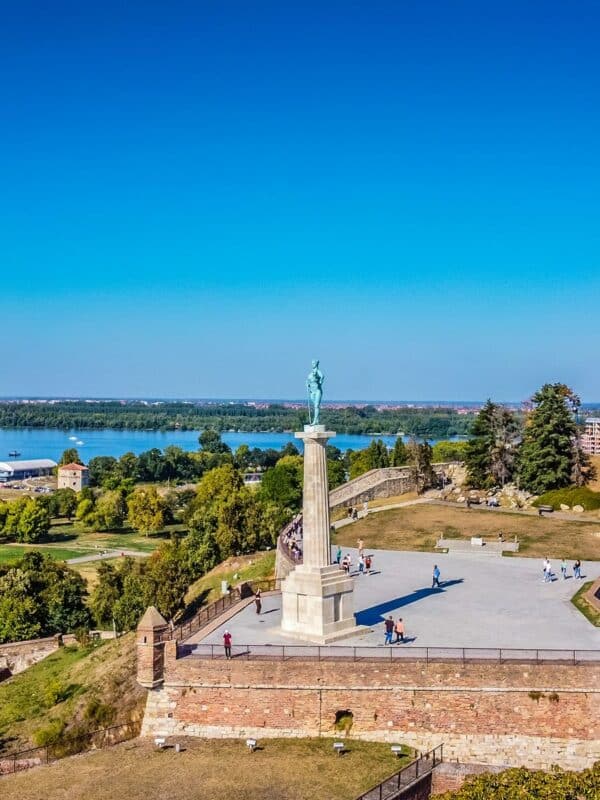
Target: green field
[13, 552]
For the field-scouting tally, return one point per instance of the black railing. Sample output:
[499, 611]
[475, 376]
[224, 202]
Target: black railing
[69, 746]
[464, 655]
[417, 769]
[207, 614]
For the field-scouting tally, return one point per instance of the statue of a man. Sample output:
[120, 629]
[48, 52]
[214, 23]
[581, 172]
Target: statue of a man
[314, 385]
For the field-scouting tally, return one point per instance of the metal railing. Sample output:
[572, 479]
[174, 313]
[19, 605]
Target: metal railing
[419, 768]
[69, 746]
[208, 613]
[427, 655]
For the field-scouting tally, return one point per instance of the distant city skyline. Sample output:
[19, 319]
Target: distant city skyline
[198, 200]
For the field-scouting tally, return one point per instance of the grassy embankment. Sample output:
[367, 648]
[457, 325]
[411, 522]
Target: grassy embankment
[73, 690]
[236, 569]
[418, 528]
[582, 605]
[282, 769]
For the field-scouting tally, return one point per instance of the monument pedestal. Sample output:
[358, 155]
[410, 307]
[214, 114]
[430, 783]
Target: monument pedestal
[317, 604]
[317, 596]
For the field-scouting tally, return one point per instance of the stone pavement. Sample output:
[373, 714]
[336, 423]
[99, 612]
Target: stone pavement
[501, 602]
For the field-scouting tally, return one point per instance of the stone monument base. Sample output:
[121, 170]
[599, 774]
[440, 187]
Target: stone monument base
[317, 604]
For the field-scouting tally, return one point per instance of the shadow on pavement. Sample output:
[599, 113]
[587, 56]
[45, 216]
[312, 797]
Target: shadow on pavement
[376, 614]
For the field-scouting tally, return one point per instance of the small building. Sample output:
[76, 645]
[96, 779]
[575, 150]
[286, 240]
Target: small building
[590, 439]
[73, 476]
[19, 470]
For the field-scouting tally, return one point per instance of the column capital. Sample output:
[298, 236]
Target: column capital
[314, 432]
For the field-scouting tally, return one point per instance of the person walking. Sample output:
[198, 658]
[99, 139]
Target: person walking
[399, 629]
[258, 601]
[361, 565]
[368, 562]
[577, 570]
[547, 571]
[361, 547]
[389, 630]
[227, 644]
[563, 569]
[436, 577]
[338, 554]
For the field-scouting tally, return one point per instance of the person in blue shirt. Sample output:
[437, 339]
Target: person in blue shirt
[436, 577]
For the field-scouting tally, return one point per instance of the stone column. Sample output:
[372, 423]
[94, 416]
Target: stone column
[317, 597]
[316, 549]
[150, 648]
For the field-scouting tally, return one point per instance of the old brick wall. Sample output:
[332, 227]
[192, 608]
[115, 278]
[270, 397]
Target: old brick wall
[481, 712]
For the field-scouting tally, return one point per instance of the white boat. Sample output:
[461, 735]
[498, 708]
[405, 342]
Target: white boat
[79, 442]
[72, 438]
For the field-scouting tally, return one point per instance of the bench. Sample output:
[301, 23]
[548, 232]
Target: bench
[160, 742]
[251, 745]
[477, 541]
[545, 510]
[339, 748]
[397, 750]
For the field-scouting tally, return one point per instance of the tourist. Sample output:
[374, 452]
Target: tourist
[361, 564]
[399, 628]
[563, 569]
[258, 601]
[436, 577]
[547, 571]
[361, 546]
[227, 644]
[354, 513]
[577, 570]
[368, 562]
[389, 630]
[347, 563]
[350, 511]
[338, 554]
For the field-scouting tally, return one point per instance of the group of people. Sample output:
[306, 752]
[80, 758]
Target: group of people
[365, 561]
[392, 628]
[549, 575]
[292, 538]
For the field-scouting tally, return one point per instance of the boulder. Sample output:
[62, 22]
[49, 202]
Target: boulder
[578, 509]
[565, 507]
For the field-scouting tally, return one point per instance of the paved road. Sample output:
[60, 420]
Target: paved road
[107, 554]
[499, 602]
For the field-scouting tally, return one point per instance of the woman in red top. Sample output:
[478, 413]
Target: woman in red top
[227, 644]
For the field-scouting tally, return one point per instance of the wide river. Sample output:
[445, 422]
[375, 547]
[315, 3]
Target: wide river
[50, 442]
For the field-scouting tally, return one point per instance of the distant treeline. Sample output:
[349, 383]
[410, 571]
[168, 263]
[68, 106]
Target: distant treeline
[432, 423]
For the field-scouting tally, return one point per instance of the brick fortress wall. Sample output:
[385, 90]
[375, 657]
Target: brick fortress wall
[536, 715]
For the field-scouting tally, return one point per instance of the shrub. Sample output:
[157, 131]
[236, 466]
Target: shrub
[54, 693]
[572, 496]
[50, 733]
[99, 713]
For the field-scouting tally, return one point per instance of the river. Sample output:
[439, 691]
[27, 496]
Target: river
[50, 442]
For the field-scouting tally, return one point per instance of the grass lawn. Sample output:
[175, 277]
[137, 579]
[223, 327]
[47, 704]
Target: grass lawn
[418, 527]
[247, 568]
[11, 552]
[342, 513]
[582, 604]
[75, 675]
[283, 769]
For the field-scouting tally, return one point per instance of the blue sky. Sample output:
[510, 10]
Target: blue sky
[198, 198]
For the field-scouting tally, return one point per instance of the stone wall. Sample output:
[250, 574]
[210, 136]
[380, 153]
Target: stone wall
[384, 482]
[499, 714]
[17, 656]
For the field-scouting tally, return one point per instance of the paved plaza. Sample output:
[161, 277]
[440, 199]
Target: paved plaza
[484, 601]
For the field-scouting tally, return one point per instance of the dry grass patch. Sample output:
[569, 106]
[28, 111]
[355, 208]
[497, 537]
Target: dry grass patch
[284, 769]
[418, 527]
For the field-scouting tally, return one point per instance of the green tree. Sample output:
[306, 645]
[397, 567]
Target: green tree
[110, 511]
[505, 432]
[420, 460]
[375, 456]
[210, 441]
[282, 484]
[445, 451]
[69, 456]
[548, 451]
[128, 466]
[63, 503]
[479, 447]
[146, 510]
[336, 473]
[399, 454]
[34, 521]
[101, 469]
[168, 576]
[106, 594]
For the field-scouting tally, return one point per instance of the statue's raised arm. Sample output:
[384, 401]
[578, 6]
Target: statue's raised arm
[314, 386]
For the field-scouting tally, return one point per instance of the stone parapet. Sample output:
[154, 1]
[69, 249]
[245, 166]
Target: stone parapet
[499, 714]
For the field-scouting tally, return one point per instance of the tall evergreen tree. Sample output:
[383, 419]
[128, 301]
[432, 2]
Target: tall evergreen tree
[550, 447]
[479, 447]
[505, 430]
[419, 458]
[399, 454]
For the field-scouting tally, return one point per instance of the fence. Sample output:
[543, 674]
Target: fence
[418, 768]
[464, 655]
[95, 740]
[206, 614]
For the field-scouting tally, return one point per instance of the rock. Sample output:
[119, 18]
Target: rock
[460, 499]
[564, 507]
[578, 509]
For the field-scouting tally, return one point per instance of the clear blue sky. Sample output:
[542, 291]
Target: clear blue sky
[199, 197]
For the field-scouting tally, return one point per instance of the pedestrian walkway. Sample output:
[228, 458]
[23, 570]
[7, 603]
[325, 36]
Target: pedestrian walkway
[501, 602]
